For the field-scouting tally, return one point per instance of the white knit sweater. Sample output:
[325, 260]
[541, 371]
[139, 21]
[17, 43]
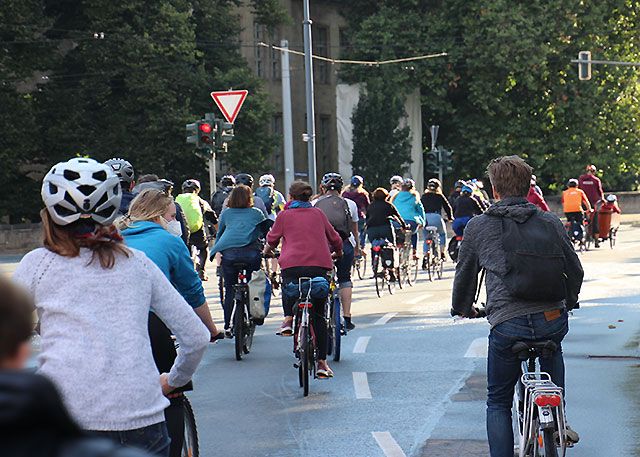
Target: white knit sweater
[95, 341]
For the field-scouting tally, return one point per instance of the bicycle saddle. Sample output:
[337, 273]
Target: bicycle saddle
[543, 348]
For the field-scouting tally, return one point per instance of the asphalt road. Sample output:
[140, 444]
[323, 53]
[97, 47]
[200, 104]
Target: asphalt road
[412, 381]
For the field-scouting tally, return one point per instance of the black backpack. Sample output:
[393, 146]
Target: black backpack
[337, 211]
[536, 269]
[217, 200]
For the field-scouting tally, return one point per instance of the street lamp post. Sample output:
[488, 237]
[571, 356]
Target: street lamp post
[308, 67]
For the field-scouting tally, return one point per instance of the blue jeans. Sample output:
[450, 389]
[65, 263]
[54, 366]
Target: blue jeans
[153, 438]
[362, 232]
[248, 255]
[503, 371]
[344, 264]
[413, 226]
[435, 220]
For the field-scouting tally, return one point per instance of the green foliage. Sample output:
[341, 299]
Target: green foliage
[507, 85]
[380, 148]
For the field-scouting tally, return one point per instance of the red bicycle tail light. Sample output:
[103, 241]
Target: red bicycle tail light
[552, 400]
[429, 241]
[376, 248]
[304, 305]
[458, 238]
[241, 277]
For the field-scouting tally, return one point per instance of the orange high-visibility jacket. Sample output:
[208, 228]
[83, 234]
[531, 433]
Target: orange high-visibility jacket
[573, 200]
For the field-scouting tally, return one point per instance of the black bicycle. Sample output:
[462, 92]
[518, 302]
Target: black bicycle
[242, 325]
[433, 259]
[190, 446]
[383, 260]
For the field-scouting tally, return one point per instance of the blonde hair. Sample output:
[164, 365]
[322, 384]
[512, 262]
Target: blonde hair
[148, 205]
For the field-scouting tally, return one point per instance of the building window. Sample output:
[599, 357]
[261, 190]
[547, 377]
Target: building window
[321, 48]
[259, 36]
[344, 41]
[324, 143]
[276, 65]
[278, 154]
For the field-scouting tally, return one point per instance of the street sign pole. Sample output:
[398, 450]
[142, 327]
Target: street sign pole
[212, 171]
[287, 128]
[308, 67]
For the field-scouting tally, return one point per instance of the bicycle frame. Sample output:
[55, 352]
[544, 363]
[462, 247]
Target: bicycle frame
[532, 389]
[243, 284]
[304, 305]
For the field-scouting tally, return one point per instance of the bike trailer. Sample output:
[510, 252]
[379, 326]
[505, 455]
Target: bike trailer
[319, 288]
[607, 220]
[259, 295]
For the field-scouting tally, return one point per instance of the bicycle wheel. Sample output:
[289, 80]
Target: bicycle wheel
[248, 340]
[391, 285]
[303, 364]
[430, 268]
[378, 276]
[546, 444]
[612, 238]
[190, 447]
[337, 327]
[440, 268]
[221, 286]
[238, 325]
[413, 272]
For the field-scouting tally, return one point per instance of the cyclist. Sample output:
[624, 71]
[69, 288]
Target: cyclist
[611, 204]
[457, 188]
[93, 296]
[574, 203]
[247, 180]
[240, 227]
[534, 184]
[434, 203]
[124, 171]
[396, 185]
[528, 295]
[308, 239]
[464, 208]
[343, 215]
[273, 200]
[380, 213]
[151, 227]
[197, 212]
[227, 183]
[535, 197]
[360, 196]
[591, 185]
[408, 203]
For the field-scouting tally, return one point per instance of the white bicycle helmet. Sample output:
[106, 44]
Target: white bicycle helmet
[267, 180]
[611, 198]
[396, 180]
[122, 168]
[81, 189]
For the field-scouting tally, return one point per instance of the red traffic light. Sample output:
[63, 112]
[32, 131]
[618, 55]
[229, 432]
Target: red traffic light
[206, 128]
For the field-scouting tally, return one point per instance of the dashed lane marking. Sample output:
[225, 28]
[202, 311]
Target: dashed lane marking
[361, 385]
[384, 319]
[361, 345]
[478, 348]
[388, 445]
[418, 299]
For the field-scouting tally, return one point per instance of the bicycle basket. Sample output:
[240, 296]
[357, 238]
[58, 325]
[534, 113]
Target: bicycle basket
[319, 288]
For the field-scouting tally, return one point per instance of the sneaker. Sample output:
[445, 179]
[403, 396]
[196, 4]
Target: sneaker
[348, 324]
[228, 334]
[571, 436]
[285, 329]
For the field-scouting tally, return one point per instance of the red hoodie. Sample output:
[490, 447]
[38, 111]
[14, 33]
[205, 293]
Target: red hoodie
[591, 185]
[536, 199]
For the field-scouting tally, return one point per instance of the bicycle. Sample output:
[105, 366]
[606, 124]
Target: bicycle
[274, 276]
[383, 258]
[408, 265]
[576, 232]
[242, 325]
[360, 265]
[434, 262]
[335, 328]
[190, 443]
[304, 342]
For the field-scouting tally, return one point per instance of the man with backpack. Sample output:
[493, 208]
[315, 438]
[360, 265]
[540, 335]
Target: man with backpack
[273, 200]
[343, 216]
[533, 278]
[227, 183]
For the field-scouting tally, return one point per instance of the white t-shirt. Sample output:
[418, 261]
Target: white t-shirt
[353, 211]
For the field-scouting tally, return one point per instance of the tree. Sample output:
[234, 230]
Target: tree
[380, 148]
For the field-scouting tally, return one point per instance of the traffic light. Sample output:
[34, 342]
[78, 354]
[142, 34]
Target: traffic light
[432, 164]
[225, 133]
[206, 134]
[192, 134]
[584, 67]
[446, 158]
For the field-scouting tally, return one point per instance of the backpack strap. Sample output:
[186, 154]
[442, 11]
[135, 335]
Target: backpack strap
[482, 275]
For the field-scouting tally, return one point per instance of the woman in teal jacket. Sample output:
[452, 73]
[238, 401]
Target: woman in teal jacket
[150, 226]
[408, 204]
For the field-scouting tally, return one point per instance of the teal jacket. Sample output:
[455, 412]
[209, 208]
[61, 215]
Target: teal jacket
[409, 207]
[171, 255]
[238, 227]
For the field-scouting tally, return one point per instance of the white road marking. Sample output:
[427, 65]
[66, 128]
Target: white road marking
[361, 345]
[418, 299]
[384, 319]
[388, 445]
[361, 385]
[478, 348]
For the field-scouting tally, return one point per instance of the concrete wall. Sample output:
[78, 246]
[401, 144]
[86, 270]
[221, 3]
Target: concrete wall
[629, 202]
[19, 238]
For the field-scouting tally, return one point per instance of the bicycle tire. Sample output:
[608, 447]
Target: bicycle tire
[440, 270]
[430, 268]
[221, 286]
[391, 285]
[190, 446]
[337, 328]
[248, 341]
[238, 326]
[303, 365]
[378, 276]
[549, 448]
[414, 271]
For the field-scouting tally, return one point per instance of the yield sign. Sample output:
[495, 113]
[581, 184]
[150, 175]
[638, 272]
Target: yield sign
[230, 102]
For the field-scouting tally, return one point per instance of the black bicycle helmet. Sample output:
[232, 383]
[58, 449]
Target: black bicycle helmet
[227, 181]
[408, 183]
[433, 184]
[244, 178]
[190, 185]
[122, 168]
[332, 181]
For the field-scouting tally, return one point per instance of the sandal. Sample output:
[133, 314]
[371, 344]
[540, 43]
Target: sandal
[324, 373]
[285, 329]
[217, 336]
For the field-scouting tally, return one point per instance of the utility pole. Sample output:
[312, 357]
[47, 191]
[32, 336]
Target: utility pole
[212, 156]
[308, 67]
[287, 127]
[434, 141]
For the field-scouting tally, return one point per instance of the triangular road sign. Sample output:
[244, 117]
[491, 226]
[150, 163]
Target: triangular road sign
[230, 102]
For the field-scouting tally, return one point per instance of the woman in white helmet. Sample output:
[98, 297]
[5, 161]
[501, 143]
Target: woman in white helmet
[273, 200]
[93, 296]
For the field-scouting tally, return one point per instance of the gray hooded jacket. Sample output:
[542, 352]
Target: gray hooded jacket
[482, 248]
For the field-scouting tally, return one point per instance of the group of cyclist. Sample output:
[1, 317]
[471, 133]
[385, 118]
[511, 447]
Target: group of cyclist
[109, 241]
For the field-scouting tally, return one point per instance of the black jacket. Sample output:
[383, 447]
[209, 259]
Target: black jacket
[466, 206]
[434, 202]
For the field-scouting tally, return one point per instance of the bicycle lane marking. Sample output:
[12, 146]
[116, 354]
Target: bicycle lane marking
[361, 345]
[384, 319]
[361, 385]
[418, 299]
[389, 446]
